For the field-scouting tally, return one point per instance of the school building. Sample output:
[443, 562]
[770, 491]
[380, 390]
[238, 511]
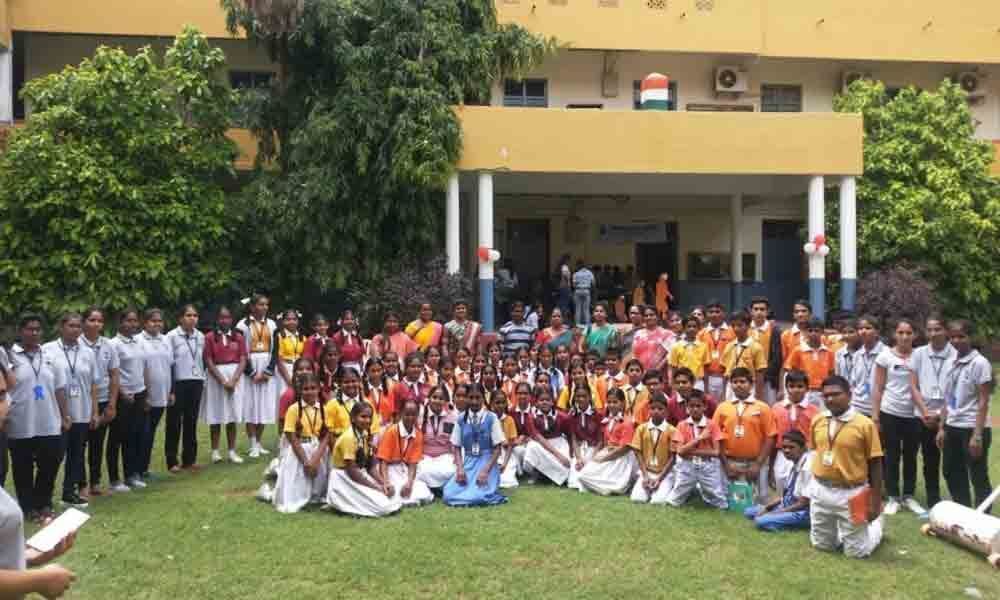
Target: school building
[717, 190]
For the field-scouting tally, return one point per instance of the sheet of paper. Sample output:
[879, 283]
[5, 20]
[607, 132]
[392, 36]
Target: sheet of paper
[53, 533]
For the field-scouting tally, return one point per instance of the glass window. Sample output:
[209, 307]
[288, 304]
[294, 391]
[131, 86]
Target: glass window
[527, 92]
[781, 98]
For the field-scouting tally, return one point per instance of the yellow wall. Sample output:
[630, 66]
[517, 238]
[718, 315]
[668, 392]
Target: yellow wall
[119, 17]
[732, 27]
[591, 141]
[996, 158]
[926, 30]
[4, 25]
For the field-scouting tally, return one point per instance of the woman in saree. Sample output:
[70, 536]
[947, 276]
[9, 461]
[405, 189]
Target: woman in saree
[600, 335]
[651, 344]
[424, 330]
[460, 332]
[557, 333]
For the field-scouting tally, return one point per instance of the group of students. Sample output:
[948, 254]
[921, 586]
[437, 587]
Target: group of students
[442, 410]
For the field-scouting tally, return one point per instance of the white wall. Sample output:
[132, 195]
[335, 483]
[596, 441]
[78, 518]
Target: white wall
[575, 77]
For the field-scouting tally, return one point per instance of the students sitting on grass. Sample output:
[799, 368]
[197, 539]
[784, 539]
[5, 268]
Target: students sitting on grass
[304, 465]
[613, 467]
[748, 427]
[791, 510]
[476, 441]
[400, 449]
[651, 444]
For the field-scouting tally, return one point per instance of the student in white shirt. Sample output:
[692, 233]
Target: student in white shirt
[862, 378]
[931, 365]
[965, 439]
[127, 429]
[6, 382]
[106, 381]
[159, 369]
[37, 419]
[187, 345]
[80, 368]
[16, 579]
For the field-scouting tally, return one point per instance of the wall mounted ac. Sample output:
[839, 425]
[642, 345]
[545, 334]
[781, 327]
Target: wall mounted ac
[731, 80]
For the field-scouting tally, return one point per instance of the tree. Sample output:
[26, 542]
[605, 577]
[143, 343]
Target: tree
[926, 197]
[361, 135]
[112, 192]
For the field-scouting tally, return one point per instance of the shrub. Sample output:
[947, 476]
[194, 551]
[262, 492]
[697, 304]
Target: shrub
[895, 292]
[412, 284]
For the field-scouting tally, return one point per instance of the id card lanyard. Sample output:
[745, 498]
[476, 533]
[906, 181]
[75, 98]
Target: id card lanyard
[193, 351]
[654, 460]
[38, 389]
[937, 363]
[741, 408]
[74, 387]
[832, 437]
[868, 366]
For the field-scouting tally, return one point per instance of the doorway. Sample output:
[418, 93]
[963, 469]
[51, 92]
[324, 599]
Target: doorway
[528, 250]
[653, 258]
[784, 265]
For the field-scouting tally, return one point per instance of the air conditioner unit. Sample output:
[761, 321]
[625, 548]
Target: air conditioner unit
[731, 80]
[849, 77]
[970, 82]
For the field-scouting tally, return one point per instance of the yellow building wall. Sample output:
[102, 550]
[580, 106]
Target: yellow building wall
[4, 25]
[118, 17]
[592, 141]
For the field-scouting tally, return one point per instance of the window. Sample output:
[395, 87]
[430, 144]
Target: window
[781, 98]
[672, 103]
[244, 80]
[749, 266]
[527, 92]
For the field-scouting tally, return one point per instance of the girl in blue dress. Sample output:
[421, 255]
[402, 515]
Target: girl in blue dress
[478, 436]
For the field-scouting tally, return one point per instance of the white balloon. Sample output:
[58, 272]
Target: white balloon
[810, 248]
[824, 250]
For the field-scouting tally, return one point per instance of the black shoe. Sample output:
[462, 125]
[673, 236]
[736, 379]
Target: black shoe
[74, 500]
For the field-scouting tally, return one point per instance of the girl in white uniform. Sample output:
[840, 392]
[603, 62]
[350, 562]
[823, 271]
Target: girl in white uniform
[613, 467]
[304, 465]
[159, 364]
[225, 360]
[437, 420]
[259, 391]
[400, 450]
[354, 487]
[548, 451]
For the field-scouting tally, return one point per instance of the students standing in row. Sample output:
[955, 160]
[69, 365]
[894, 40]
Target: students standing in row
[130, 419]
[106, 383]
[159, 368]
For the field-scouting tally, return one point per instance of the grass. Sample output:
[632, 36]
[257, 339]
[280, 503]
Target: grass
[205, 536]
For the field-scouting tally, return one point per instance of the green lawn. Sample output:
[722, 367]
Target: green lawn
[205, 536]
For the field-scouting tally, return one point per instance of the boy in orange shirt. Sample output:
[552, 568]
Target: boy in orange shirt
[716, 334]
[794, 413]
[814, 359]
[748, 427]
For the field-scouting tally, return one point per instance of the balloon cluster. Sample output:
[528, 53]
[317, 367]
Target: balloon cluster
[817, 246]
[488, 255]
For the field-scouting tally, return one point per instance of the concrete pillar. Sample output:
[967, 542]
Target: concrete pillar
[453, 225]
[736, 249]
[486, 240]
[6, 84]
[817, 287]
[848, 242]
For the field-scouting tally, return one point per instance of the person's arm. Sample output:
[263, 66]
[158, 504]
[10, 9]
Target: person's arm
[411, 476]
[666, 470]
[875, 481]
[615, 454]
[67, 421]
[50, 581]
[939, 438]
[460, 478]
[324, 447]
[877, 394]
[114, 391]
[357, 475]
[712, 452]
[976, 443]
[213, 371]
[95, 410]
[383, 476]
[231, 386]
[801, 503]
[918, 397]
[484, 474]
[763, 458]
[296, 444]
[550, 449]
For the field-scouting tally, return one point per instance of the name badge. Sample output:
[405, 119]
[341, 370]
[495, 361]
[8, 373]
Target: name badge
[828, 458]
[866, 388]
[696, 460]
[653, 462]
[715, 355]
[738, 431]
[475, 448]
[74, 390]
[936, 392]
[259, 347]
[195, 370]
[39, 392]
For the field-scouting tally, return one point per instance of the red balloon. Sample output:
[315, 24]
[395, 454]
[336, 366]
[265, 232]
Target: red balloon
[819, 240]
[484, 253]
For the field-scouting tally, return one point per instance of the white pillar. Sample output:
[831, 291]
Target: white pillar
[736, 248]
[7, 84]
[817, 285]
[486, 240]
[848, 242]
[452, 225]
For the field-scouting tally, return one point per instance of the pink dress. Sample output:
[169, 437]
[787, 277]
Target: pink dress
[650, 347]
[399, 342]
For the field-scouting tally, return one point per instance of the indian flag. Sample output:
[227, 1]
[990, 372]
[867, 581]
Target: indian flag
[654, 92]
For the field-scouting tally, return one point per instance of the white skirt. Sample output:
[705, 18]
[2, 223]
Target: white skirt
[343, 495]
[609, 477]
[574, 475]
[508, 476]
[219, 406]
[539, 459]
[420, 494]
[279, 382]
[294, 489]
[436, 471]
[260, 400]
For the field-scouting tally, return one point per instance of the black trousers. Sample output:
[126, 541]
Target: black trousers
[931, 456]
[182, 419]
[95, 450]
[901, 440]
[75, 440]
[35, 464]
[150, 425]
[126, 438]
[960, 467]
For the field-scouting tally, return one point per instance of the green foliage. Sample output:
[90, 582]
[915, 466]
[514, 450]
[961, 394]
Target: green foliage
[926, 196]
[112, 193]
[360, 129]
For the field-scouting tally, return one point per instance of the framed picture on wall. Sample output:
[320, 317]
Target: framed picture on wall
[713, 266]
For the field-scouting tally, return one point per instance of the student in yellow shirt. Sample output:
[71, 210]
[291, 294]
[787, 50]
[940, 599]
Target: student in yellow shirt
[846, 491]
[691, 352]
[655, 455]
[304, 463]
[354, 487]
[744, 352]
